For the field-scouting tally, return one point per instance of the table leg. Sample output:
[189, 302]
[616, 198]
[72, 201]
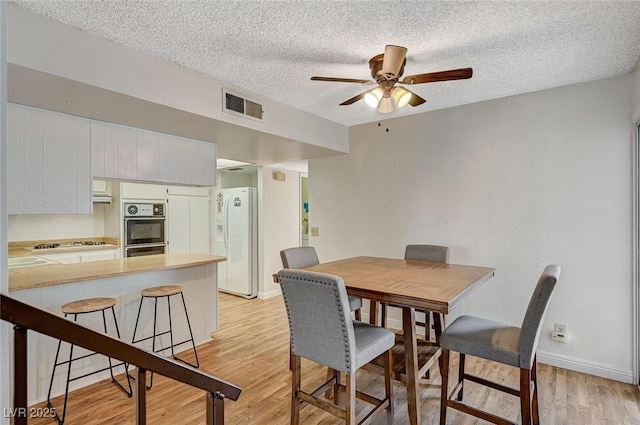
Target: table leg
[373, 312]
[411, 364]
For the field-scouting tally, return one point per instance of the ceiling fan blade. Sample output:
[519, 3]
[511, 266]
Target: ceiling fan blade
[415, 99]
[342, 80]
[432, 77]
[393, 60]
[354, 99]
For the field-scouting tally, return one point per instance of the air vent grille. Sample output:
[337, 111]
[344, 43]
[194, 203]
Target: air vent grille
[253, 109]
[238, 105]
[234, 103]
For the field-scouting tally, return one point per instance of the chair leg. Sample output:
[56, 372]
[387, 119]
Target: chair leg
[336, 385]
[358, 314]
[461, 375]
[427, 325]
[438, 323]
[295, 387]
[535, 410]
[350, 418]
[525, 396]
[444, 387]
[193, 342]
[388, 385]
[383, 315]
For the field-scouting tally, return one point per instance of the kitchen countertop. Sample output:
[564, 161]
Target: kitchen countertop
[58, 274]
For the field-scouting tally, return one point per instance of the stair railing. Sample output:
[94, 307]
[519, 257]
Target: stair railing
[25, 317]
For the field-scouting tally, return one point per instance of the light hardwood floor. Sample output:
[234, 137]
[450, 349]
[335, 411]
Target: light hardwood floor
[251, 350]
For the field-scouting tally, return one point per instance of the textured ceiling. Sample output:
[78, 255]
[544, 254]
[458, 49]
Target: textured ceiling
[272, 48]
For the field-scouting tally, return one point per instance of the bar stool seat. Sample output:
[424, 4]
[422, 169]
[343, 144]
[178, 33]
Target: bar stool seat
[155, 293]
[161, 291]
[89, 305]
[85, 306]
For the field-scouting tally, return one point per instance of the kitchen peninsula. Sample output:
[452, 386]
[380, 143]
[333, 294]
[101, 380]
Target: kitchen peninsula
[52, 285]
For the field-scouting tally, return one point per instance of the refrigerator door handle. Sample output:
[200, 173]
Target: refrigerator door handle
[225, 221]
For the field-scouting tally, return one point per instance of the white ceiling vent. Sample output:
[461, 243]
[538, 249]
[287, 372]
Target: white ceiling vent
[239, 105]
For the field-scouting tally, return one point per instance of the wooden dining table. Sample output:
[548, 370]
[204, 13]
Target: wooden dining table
[409, 285]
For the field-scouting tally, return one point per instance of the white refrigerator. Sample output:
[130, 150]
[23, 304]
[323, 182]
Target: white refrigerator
[236, 237]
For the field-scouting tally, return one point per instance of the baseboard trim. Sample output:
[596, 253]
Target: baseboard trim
[585, 366]
[558, 360]
[269, 294]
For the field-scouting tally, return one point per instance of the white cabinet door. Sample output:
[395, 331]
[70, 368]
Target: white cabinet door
[50, 162]
[84, 182]
[202, 163]
[98, 255]
[188, 223]
[127, 153]
[97, 149]
[170, 159]
[33, 161]
[178, 218]
[15, 163]
[66, 165]
[63, 257]
[143, 191]
[148, 156]
[199, 224]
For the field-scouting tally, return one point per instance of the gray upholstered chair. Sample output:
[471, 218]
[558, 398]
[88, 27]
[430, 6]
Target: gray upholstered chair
[502, 343]
[323, 331]
[434, 254]
[304, 256]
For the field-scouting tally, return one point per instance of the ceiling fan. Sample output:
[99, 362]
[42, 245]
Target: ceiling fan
[386, 70]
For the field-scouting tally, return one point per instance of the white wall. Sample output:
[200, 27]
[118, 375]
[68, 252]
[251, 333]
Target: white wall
[516, 184]
[280, 223]
[4, 279]
[50, 227]
[635, 98]
[43, 44]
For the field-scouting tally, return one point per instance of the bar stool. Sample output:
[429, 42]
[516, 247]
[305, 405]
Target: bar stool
[165, 291]
[90, 305]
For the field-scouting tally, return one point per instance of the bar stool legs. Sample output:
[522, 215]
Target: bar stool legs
[165, 292]
[75, 308]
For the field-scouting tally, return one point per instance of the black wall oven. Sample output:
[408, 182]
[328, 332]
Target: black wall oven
[144, 229]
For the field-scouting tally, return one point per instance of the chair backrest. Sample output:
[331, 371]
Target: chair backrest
[433, 253]
[533, 318]
[300, 256]
[319, 318]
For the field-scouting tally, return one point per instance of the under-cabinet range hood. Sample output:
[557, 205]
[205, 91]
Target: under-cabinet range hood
[101, 198]
[101, 192]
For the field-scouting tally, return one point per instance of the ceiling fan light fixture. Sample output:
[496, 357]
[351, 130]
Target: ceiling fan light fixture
[394, 57]
[385, 106]
[374, 96]
[401, 96]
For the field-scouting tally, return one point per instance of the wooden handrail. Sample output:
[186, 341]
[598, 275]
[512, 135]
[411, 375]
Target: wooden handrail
[25, 317]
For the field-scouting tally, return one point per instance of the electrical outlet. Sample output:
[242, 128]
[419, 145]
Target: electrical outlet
[559, 327]
[559, 337]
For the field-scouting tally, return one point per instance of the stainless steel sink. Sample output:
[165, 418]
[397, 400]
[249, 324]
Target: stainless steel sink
[28, 262]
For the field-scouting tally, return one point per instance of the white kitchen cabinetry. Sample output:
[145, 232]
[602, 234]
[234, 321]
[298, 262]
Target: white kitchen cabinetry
[187, 222]
[82, 256]
[132, 154]
[49, 169]
[142, 191]
[99, 255]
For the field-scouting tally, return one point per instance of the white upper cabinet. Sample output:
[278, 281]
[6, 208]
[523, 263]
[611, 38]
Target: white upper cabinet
[49, 171]
[127, 153]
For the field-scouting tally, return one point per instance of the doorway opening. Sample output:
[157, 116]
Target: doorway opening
[304, 209]
[636, 254]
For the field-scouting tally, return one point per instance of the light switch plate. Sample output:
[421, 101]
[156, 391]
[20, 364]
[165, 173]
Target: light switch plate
[315, 231]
